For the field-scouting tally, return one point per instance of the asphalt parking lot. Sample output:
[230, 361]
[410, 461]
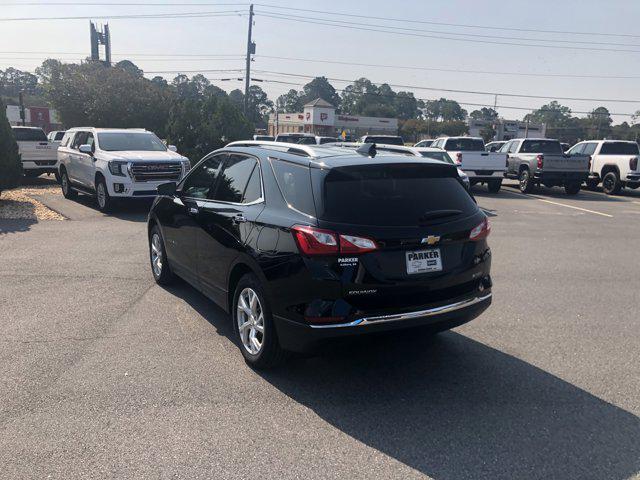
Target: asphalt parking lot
[106, 374]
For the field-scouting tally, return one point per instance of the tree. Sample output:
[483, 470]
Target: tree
[598, 123]
[129, 66]
[558, 121]
[320, 87]
[290, 102]
[258, 106]
[410, 129]
[407, 106]
[199, 125]
[14, 81]
[487, 133]
[10, 165]
[484, 114]
[444, 110]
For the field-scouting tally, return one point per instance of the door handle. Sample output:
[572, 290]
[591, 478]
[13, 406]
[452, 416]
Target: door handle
[239, 218]
[193, 211]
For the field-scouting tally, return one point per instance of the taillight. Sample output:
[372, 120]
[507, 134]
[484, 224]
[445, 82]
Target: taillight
[633, 163]
[540, 159]
[459, 158]
[481, 231]
[314, 241]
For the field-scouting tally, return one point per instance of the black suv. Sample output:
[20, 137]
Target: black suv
[302, 244]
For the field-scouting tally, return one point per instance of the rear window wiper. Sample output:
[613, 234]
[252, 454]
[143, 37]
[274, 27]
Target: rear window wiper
[435, 214]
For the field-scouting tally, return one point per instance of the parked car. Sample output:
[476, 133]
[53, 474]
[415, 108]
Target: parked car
[267, 138]
[38, 154]
[536, 161]
[469, 154]
[301, 138]
[384, 139]
[322, 243]
[113, 164]
[613, 162]
[494, 146]
[323, 140]
[56, 136]
[424, 143]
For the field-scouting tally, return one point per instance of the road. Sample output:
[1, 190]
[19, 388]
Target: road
[106, 375]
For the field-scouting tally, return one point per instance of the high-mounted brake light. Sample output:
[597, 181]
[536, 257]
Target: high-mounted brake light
[540, 159]
[633, 163]
[481, 231]
[459, 158]
[314, 241]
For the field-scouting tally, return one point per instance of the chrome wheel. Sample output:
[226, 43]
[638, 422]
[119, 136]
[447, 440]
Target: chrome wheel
[101, 193]
[250, 318]
[156, 254]
[65, 184]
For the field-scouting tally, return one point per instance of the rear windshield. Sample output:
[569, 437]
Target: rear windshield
[619, 148]
[442, 156]
[393, 195]
[130, 141]
[384, 140]
[541, 146]
[464, 145]
[29, 135]
[59, 136]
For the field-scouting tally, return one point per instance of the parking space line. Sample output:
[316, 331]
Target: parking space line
[565, 205]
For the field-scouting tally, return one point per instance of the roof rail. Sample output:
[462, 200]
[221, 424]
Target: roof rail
[294, 148]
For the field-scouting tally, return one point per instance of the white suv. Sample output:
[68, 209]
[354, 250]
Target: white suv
[116, 163]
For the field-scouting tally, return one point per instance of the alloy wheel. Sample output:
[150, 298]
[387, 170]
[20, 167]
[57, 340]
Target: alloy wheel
[102, 195]
[156, 254]
[250, 319]
[65, 184]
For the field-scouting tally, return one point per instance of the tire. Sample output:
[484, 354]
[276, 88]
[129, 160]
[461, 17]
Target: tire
[162, 273]
[526, 182]
[253, 312]
[592, 183]
[57, 177]
[611, 183]
[68, 192]
[103, 199]
[572, 188]
[494, 186]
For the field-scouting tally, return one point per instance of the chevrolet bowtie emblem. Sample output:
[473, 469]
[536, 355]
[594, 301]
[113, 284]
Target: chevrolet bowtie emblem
[431, 240]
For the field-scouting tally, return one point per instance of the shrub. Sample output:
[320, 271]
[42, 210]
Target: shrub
[10, 165]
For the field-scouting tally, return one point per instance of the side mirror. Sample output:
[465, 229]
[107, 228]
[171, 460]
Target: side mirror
[172, 148]
[86, 148]
[167, 189]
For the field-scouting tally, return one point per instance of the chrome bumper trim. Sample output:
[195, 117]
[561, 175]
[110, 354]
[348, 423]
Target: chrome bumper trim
[409, 315]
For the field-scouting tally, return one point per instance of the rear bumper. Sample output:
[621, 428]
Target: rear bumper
[44, 166]
[480, 175]
[300, 337]
[633, 178]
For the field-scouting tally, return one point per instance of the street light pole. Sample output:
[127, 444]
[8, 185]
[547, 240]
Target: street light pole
[251, 49]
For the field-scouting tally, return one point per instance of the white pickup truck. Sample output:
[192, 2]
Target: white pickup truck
[38, 155]
[472, 158]
[613, 162]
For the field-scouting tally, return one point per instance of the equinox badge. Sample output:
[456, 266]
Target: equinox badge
[431, 240]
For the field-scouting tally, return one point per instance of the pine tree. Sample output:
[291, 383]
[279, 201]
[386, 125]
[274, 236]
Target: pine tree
[10, 165]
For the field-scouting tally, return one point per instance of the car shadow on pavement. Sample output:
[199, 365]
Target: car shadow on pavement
[454, 408]
[558, 193]
[131, 210]
[15, 225]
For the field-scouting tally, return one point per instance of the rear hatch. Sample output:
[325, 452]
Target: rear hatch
[420, 218]
[33, 145]
[474, 158]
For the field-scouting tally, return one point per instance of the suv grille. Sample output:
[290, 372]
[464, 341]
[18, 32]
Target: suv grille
[158, 171]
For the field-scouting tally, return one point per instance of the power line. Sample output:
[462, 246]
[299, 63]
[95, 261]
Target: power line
[472, 92]
[426, 22]
[222, 13]
[363, 27]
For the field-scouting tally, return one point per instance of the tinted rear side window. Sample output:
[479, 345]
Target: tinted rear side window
[385, 140]
[619, 148]
[392, 195]
[294, 182]
[541, 146]
[464, 145]
[59, 136]
[29, 135]
[442, 156]
[234, 178]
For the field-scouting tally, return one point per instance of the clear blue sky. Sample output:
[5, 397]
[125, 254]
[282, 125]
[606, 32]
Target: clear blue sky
[285, 38]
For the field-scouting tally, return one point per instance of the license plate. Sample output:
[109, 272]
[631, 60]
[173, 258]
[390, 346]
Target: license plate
[424, 261]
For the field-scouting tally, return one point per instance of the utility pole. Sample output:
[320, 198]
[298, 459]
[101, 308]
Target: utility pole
[251, 49]
[22, 113]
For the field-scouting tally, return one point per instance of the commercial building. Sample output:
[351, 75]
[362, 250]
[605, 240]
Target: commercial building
[42, 117]
[320, 118]
[507, 129]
